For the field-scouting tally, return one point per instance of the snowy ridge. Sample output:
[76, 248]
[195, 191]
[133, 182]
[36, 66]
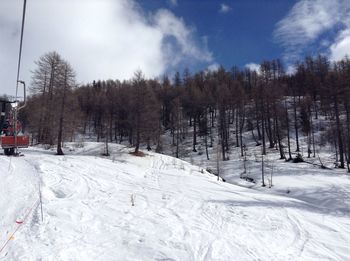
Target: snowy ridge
[180, 212]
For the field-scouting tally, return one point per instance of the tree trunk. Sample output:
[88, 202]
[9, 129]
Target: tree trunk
[269, 127]
[339, 133]
[280, 147]
[206, 135]
[257, 119]
[237, 128]
[60, 127]
[296, 123]
[348, 133]
[263, 129]
[194, 133]
[288, 132]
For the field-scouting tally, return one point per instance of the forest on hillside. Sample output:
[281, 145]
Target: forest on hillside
[272, 106]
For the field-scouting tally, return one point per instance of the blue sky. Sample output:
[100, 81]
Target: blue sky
[241, 32]
[238, 35]
[111, 39]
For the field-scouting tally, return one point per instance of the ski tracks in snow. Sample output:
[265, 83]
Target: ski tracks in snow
[179, 214]
[18, 202]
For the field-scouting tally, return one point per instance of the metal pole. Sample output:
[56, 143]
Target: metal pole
[18, 71]
[41, 204]
[20, 44]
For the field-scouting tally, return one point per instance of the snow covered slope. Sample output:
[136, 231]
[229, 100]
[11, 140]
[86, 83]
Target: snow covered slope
[180, 212]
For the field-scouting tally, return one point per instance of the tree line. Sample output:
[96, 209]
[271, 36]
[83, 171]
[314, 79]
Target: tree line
[308, 108]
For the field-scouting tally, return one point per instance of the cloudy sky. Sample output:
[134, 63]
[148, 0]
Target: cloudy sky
[111, 39]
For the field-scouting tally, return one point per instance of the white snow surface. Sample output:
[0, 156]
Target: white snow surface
[180, 211]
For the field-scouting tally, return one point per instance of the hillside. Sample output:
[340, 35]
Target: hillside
[180, 211]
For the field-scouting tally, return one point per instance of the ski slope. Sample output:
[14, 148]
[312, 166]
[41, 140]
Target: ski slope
[180, 212]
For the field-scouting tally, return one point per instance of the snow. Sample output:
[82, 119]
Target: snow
[180, 211]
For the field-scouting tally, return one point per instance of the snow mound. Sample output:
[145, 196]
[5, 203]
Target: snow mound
[154, 207]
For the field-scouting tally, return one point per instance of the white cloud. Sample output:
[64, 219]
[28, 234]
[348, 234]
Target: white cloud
[306, 24]
[291, 69]
[253, 67]
[213, 67]
[341, 46]
[224, 8]
[101, 39]
[170, 26]
[173, 2]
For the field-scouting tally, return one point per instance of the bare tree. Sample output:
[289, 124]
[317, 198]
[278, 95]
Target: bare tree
[52, 81]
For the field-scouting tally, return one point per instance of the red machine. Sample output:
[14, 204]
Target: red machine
[11, 135]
